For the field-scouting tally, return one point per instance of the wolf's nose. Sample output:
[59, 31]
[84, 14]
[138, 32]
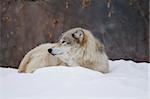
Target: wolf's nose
[50, 50]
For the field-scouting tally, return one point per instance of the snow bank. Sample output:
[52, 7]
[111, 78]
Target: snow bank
[126, 80]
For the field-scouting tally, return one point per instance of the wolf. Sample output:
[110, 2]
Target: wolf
[77, 47]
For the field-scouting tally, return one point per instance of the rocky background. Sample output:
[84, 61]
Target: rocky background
[122, 25]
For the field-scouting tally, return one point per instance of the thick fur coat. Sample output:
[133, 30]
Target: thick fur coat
[77, 47]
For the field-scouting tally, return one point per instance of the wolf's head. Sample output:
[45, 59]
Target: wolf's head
[73, 38]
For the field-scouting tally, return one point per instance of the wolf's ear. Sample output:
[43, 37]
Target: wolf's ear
[78, 34]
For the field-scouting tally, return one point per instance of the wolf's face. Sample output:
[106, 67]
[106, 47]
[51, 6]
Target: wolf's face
[71, 39]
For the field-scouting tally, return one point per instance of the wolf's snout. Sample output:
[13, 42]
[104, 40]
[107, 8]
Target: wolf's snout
[50, 50]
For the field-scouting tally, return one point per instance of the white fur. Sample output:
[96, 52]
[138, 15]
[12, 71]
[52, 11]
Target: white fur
[77, 47]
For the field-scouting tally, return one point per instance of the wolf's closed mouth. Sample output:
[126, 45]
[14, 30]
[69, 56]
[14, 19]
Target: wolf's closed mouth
[56, 54]
[53, 54]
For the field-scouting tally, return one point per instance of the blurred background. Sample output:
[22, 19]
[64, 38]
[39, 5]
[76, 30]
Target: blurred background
[122, 25]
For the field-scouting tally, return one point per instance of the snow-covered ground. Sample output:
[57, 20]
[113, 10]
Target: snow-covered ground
[126, 80]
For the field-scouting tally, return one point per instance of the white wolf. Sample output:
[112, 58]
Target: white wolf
[77, 47]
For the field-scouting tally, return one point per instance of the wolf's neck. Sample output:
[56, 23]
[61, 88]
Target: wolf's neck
[91, 51]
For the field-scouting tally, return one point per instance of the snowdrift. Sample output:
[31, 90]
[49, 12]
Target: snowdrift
[127, 80]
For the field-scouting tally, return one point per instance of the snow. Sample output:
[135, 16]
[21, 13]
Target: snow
[126, 80]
